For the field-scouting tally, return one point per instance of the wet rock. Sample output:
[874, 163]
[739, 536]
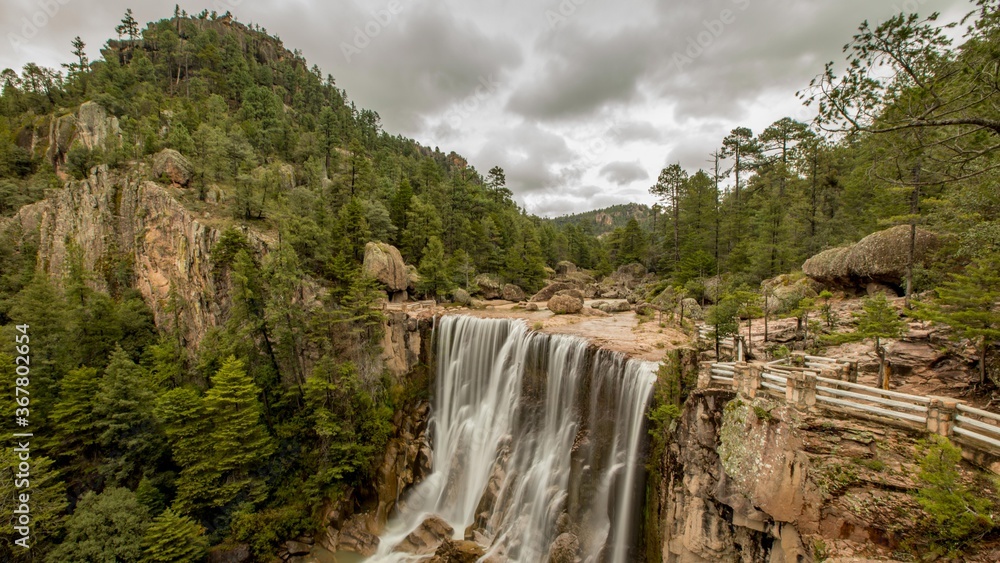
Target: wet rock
[297, 548]
[457, 551]
[427, 537]
[564, 549]
[354, 536]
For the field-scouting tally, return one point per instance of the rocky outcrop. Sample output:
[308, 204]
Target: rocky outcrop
[550, 290]
[880, 257]
[121, 219]
[384, 263]
[565, 304]
[565, 267]
[91, 126]
[457, 551]
[784, 292]
[401, 343]
[489, 286]
[172, 165]
[426, 538]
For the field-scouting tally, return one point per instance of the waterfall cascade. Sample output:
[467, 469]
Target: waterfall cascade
[535, 437]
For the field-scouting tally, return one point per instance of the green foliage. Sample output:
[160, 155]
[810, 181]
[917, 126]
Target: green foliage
[172, 538]
[435, 273]
[104, 527]
[959, 514]
[47, 504]
[967, 302]
[878, 318]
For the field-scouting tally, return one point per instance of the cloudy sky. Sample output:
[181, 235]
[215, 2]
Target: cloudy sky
[582, 102]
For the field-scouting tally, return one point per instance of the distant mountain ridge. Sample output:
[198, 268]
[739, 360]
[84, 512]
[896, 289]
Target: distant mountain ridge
[601, 221]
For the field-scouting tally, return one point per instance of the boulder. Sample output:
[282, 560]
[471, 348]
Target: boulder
[565, 267]
[592, 312]
[229, 554]
[412, 277]
[572, 293]
[384, 263]
[875, 288]
[512, 292]
[692, 310]
[489, 286]
[354, 536]
[880, 257]
[297, 548]
[564, 549]
[172, 165]
[548, 291]
[531, 307]
[565, 304]
[427, 537]
[458, 551]
[786, 291]
[461, 297]
[614, 306]
[645, 309]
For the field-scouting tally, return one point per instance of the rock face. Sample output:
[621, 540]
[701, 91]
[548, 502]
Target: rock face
[564, 549]
[384, 263]
[880, 257]
[119, 217]
[401, 343]
[91, 126]
[565, 304]
[172, 165]
[746, 500]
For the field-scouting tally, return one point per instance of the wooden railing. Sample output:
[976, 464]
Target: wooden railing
[830, 385]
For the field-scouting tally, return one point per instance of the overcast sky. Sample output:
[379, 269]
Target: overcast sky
[582, 102]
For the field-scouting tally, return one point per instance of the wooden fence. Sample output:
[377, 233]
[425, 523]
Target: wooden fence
[830, 385]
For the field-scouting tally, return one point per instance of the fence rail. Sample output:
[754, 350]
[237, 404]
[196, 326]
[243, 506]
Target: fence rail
[819, 383]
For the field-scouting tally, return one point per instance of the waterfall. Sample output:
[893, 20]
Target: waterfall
[533, 436]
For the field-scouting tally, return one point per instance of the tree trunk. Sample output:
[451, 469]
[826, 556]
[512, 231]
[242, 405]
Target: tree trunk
[880, 352]
[982, 361]
[911, 250]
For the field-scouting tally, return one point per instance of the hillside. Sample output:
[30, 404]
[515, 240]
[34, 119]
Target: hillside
[603, 221]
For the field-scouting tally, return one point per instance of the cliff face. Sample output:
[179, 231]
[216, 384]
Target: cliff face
[118, 219]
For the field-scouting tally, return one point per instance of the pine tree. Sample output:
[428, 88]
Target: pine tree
[878, 319]
[435, 276]
[240, 445]
[76, 425]
[172, 538]
[104, 527]
[967, 303]
[129, 436]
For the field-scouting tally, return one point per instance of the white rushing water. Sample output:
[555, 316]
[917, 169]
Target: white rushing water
[533, 435]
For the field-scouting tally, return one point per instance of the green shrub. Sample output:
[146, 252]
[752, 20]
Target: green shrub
[959, 515]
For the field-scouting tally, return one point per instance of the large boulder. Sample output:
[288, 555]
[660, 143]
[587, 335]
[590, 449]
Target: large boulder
[785, 291]
[692, 310]
[553, 288]
[565, 267]
[384, 263]
[461, 297]
[172, 165]
[458, 551]
[489, 286]
[565, 304]
[512, 292]
[879, 257]
[426, 538]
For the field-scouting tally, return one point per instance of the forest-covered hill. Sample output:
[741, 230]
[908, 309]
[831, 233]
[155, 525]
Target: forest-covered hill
[243, 434]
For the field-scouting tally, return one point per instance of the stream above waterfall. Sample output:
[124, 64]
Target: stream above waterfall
[538, 445]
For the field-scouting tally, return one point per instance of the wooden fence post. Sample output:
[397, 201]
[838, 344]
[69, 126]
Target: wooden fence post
[941, 415]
